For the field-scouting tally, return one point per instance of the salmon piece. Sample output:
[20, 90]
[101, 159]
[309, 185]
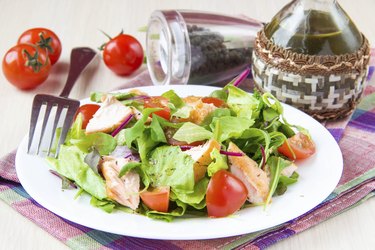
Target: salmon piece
[124, 190]
[202, 158]
[255, 179]
[109, 116]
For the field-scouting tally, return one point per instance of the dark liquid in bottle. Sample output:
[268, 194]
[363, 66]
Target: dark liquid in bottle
[318, 33]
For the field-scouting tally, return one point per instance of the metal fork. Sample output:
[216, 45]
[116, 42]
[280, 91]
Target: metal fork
[79, 59]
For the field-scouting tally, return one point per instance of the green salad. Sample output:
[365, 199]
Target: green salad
[170, 156]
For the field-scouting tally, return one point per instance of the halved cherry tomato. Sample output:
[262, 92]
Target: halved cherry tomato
[159, 102]
[123, 54]
[213, 100]
[44, 39]
[300, 144]
[26, 66]
[87, 111]
[225, 194]
[156, 199]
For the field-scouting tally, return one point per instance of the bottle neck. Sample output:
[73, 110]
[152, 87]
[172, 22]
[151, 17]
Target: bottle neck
[321, 5]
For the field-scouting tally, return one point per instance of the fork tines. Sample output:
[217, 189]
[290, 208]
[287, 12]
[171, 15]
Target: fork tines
[61, 104]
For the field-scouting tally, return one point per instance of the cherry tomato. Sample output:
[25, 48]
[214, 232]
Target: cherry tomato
[302, 146]
[123, 54]
[25, 66]
[225, 194]
[87, 111]
[159, 102]
[45, 39]
[213, 100]
[156, 199]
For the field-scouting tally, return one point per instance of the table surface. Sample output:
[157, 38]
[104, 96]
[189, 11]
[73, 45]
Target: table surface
[78, 23]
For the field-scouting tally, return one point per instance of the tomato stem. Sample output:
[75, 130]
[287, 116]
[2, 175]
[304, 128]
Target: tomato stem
[32, 60]
[45, 43]
[101, 48]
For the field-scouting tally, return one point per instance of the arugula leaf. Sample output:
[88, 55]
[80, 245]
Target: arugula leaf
[276, 165]
[127, 167]
[284, 182]
[270, 114]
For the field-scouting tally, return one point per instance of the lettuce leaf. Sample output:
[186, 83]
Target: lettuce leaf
[174, 98]
[145, 144]
[195, 198]
[102, 142]
[105, 205]
[169, 166]
[178, 210]
[241, 102]
[70, 164]
[190, 132]
[157, 133]
[230, 127]
[219, 162]
[97, 96]
[132, 133]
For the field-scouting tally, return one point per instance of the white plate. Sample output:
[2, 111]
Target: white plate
[319, 175]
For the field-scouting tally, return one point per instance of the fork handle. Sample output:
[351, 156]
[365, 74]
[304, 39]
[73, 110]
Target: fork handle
[79, 59]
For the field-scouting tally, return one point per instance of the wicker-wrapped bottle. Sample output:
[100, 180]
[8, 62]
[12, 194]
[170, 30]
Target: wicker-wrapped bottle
[312, 56]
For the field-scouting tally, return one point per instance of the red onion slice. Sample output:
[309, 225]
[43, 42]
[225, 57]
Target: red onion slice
[139, 97]
[187, 147]
[241, 77]
[231, 153]
[123, 124]
[55, 173]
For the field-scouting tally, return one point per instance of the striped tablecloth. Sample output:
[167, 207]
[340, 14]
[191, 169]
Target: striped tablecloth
[356, 138]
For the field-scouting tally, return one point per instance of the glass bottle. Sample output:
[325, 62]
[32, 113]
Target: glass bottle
[312, 56]
[194, 47]
[314, 27]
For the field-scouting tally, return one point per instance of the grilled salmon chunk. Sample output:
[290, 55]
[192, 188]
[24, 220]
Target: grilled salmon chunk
[124, 190]
[255, 179]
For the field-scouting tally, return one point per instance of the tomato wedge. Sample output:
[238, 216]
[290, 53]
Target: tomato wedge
[225, 194]
[87, 111]
[301, 147]
[213, 100]
[156, 199]
[159, 102]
